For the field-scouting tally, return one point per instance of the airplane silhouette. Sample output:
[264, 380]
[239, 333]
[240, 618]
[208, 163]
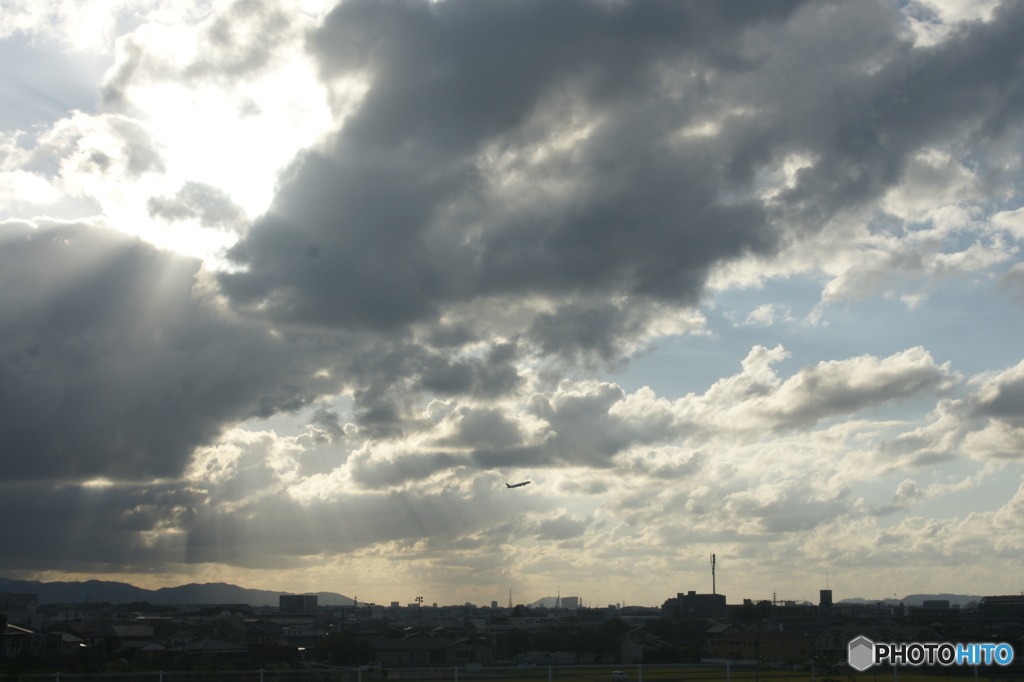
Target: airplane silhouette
[516, 485]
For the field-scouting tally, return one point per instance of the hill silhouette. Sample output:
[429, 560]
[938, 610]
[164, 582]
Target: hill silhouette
[123, 593]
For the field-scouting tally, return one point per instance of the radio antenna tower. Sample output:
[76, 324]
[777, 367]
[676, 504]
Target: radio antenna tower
[713, 588]
[510, 596]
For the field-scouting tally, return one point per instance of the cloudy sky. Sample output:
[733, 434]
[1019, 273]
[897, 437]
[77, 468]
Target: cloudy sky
[289, 290]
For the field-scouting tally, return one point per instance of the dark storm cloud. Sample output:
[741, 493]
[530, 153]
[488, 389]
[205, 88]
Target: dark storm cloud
[110, 366]
[968, 88]
[400, 217]
[365, 234]
[359, 236]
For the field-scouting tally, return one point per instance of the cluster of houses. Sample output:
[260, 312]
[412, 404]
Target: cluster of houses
[784, 633]
[426, 637]
[132, 636]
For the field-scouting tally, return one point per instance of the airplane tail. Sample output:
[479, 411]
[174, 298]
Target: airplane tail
[507, 485]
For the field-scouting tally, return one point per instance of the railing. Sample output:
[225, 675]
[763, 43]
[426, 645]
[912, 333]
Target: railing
[725, 672]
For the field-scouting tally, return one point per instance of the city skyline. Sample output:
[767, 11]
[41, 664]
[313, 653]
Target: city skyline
[101, 592]
[292, 291]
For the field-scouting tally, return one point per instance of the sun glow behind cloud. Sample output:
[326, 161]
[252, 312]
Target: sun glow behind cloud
[180, 122]
[235, 135]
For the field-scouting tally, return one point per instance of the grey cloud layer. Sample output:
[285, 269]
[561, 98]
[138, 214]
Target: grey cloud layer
[438, 188]
[365, 235]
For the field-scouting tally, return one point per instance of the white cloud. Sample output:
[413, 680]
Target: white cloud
[223, 97]
[933, 180]
[20, 187]
[766, 315]
[1011, 221]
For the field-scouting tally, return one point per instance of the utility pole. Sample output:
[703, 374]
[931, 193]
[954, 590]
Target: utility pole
[419, 611]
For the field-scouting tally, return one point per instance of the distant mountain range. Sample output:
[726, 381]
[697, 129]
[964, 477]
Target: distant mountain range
[223, 593]
[123, 593]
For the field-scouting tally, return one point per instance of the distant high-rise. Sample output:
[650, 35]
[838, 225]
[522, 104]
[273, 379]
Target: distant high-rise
[693, 605]
[297, 603]
[825, 598]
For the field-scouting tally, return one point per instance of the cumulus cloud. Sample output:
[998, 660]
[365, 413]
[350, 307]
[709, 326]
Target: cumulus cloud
[1001, 396]
[758, 398]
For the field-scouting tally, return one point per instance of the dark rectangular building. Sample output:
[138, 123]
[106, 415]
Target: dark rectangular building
[297, 603]
[693, 605]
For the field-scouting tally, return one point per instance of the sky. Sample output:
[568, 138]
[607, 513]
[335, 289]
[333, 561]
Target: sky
[290, 290]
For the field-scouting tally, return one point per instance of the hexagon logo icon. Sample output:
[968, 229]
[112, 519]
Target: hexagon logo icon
[861, 654]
